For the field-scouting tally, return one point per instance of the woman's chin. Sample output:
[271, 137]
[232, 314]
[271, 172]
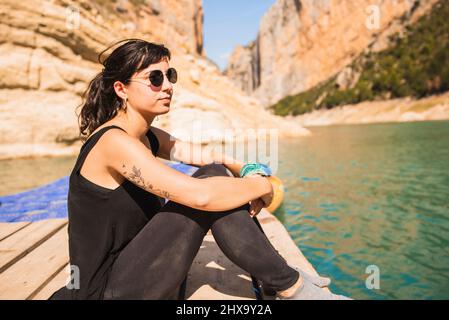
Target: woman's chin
[165, 109]
[165, 104]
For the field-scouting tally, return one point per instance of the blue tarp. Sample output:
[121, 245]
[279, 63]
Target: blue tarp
[48, 201]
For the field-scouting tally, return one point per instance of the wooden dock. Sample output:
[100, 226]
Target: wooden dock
[34, 262]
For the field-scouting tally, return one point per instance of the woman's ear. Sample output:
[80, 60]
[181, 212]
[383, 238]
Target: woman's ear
[120, 89]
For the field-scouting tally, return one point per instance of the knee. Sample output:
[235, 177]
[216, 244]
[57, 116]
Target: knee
[212, 169]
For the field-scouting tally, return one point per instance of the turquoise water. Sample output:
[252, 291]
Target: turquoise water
[375, 194]
[356, 196]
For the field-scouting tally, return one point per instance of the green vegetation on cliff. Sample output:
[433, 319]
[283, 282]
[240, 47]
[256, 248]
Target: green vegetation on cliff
[415, 64]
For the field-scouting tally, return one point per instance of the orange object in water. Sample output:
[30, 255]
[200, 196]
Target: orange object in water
[278, 196]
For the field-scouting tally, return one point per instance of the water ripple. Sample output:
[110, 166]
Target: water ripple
[383, 199]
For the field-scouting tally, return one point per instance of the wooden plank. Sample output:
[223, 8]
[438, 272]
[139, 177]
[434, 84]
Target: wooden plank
[213, 276]
[7, 229]
[54, 284]
[16, 246]
[29, 275]
[283, 243]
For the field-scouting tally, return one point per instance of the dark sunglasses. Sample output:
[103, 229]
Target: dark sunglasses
[157, 77]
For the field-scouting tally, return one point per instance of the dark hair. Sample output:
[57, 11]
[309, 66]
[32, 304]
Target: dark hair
[100, 102]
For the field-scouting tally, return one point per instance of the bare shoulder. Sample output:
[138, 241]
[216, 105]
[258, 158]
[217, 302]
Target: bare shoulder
[107, 150]
[116, 140]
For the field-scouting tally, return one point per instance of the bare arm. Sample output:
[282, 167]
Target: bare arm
[171, 148]
[134, 161]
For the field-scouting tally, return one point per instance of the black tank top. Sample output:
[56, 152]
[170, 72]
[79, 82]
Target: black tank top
[101, 223]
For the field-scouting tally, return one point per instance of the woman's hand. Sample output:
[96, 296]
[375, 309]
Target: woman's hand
[262, 202]
[256, 206]
[268, 198]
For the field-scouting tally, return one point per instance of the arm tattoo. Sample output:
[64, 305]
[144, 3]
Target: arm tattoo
[135, 176]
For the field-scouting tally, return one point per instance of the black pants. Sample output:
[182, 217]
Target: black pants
[154, 264]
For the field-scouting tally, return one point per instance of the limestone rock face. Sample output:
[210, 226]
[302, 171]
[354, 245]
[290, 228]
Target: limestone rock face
[303, 42]
[243, 68]
[48, 55]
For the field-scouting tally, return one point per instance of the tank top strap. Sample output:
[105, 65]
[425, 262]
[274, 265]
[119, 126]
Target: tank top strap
[153, 141]
[89, 144]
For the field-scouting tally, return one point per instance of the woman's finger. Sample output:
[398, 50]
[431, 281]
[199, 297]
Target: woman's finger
[256, 207]
[252, 207]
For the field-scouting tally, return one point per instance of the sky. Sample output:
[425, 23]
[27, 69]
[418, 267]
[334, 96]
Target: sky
[228, 23]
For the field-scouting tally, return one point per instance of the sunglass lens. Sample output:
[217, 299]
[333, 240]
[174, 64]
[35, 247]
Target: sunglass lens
[156, 78]
[172, 75]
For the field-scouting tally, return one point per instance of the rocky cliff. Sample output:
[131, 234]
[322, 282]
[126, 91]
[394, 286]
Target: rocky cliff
[48, 54]
[303, 42]
[414, 64]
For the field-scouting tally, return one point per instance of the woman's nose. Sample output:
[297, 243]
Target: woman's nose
[166, 85]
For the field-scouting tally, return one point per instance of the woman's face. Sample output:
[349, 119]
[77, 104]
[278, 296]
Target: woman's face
[147, 98]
